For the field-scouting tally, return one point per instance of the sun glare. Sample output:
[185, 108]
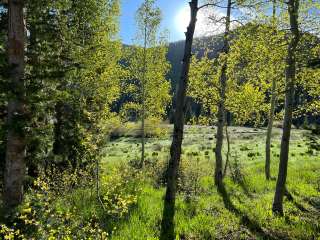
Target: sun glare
[204, 25]
[182, 19]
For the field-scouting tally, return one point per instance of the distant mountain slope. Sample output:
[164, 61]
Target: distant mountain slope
[176, 49]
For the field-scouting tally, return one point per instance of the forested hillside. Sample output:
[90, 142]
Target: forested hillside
[216, 136]
[201, 45]
[212, 46]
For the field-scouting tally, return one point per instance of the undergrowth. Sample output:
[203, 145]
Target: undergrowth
[131, 199]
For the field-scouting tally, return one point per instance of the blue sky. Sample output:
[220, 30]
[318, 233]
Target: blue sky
[176, 14]
[169, 8]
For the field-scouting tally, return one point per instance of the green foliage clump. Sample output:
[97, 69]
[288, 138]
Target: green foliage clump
[38, 218]
[119, 190]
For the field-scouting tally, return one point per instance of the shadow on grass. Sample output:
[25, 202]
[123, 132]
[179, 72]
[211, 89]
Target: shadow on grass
[299, 206]
[252, 225]
[245, 188]
[291, 199]
[314, 202]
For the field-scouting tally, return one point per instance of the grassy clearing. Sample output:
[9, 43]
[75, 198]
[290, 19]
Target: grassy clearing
[243, 211]
[133, 199]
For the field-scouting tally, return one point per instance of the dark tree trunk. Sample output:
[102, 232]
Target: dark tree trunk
[16, 143]
[228, 152]
[218, 174]
[167, 224]
[272, 108]
[269, 130]
[293, 10]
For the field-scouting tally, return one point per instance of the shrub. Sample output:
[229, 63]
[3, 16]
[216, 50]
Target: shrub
[153, 128]
[65, 207]
[119, 190]
[37, 218]
[190, 174]
[236, 169]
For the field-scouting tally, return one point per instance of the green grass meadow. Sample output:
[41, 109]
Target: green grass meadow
[243, 211]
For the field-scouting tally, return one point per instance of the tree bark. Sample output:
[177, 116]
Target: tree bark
[293, 10]
[272, 108]
[218, 174]
[167, 224]
[228, 152]
[269, 130]
[16, 142]
[143, 96]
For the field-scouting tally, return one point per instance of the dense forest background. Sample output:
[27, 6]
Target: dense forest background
[214, 46]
